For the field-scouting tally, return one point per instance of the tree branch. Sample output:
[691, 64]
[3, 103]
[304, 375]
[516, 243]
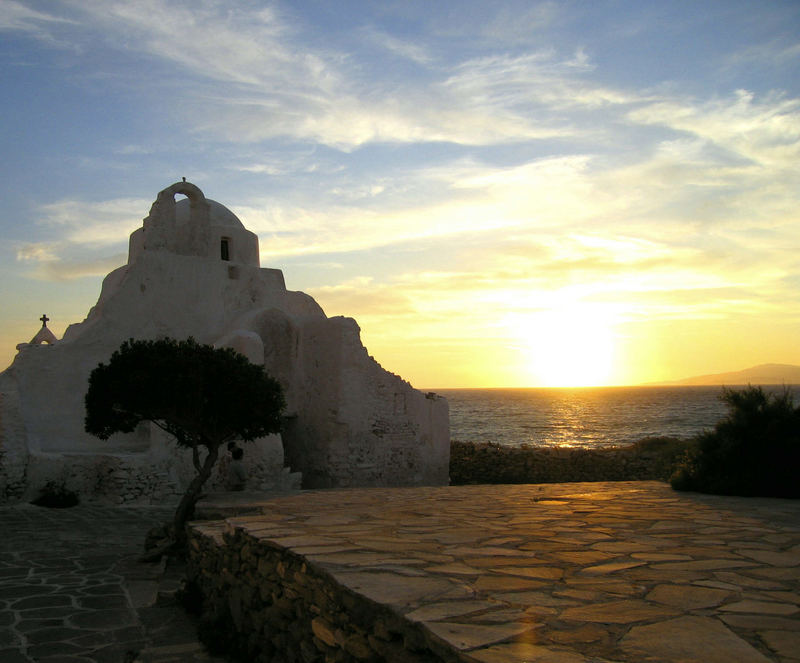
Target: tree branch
[161, 426]
[196, 458]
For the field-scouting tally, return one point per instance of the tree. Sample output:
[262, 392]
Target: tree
[201, 395]
[755, 450]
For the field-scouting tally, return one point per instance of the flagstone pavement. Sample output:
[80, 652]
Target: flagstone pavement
[71, 590]
[559, 573]
[547, 573]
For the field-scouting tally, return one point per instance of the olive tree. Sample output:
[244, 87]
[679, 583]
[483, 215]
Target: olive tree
[203, 396]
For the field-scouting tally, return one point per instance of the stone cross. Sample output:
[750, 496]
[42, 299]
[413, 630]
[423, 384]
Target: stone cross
[44, 335]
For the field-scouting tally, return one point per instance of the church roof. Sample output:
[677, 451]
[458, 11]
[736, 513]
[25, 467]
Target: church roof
[218, 214]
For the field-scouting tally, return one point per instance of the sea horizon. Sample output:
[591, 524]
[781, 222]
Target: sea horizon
[644, 385]
[585, 416]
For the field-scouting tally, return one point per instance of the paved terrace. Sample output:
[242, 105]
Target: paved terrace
[545, 573]
[71, 590]
[553, 573]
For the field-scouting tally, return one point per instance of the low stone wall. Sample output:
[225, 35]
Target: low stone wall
[104, 479]
[649, 459]
[157, 476]
[264, 603]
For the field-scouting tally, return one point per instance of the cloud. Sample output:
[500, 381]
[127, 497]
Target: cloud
[51, 264]
[101, 223]
[776, 52]
[18, 17]
[272, 80]
[679, 217]
[720, 176]
[399, 47]
[537, 80]
[265, 168]
[266, 87]
[213, 40]
[57, 270]
[520, 24]
[39, 252]
[79, 228]
[364, 296]
[632, 272]
[268, 83]
[353, 119]
[764, 131]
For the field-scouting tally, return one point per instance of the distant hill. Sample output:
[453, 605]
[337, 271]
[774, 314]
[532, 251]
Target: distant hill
[757, 375]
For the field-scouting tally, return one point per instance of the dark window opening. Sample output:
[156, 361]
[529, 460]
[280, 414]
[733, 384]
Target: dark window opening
[224, 249]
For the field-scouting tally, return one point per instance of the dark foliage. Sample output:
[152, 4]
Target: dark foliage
[755, 450]
[56, 496]
[203, 396]
[200, 394]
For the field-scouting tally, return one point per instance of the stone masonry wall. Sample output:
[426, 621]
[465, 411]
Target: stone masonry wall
[651, 459]
[159, 476]
[106, 479]
[13, 453]
[267, 604]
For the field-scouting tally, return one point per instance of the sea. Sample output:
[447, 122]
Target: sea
[584, 417]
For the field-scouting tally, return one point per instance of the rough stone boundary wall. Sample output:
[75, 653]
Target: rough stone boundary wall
[267, 604]
[485, 462]
[105, 479]
[155, 477]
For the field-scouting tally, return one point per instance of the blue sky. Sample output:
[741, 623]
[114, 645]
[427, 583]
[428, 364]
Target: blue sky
[501, 194]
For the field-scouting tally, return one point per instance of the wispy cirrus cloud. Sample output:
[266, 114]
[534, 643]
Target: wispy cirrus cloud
[101, 223]
[38, 252]
[76, 229]
[19, 17]
[518, 24]
[210, 39]
[68, 270]
[57, 261]
[404, 49]
[265, 87]
[765, 131]
[775, 52]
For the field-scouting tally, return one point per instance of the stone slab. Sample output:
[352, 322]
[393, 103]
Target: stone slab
[401, 591]
[784, 643]
[689, 639]
[688, 598]
[762, 608]
[437, 611]
[528, 653]
[471, 636]
[617, 612]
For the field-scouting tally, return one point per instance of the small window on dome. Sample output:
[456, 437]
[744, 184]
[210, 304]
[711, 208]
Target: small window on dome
[225, 248]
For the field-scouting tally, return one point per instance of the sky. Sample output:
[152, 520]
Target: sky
[502, 194]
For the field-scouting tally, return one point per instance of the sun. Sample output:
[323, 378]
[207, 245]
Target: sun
[571, 346]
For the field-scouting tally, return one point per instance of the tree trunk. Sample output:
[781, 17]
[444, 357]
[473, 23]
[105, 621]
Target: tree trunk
[192, 494]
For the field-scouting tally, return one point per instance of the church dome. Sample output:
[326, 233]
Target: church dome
[218, 214]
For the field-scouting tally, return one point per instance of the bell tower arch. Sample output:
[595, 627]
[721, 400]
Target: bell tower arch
[161, 229]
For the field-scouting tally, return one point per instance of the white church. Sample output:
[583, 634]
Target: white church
[193, 270]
